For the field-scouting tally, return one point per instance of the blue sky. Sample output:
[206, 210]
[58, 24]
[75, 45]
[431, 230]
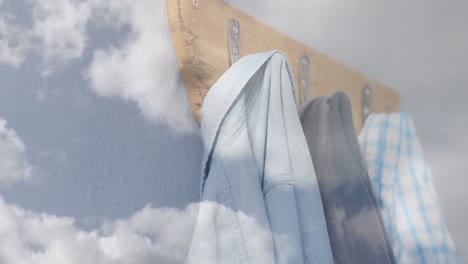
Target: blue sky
[94, 127]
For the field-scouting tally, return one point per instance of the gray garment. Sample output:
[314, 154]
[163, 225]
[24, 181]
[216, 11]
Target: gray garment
[355, 227]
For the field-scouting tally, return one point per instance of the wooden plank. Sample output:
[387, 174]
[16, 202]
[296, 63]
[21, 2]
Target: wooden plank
[200, 35]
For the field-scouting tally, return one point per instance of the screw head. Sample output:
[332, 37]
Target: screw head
[235, 29]
[235, 50]
[305, 61]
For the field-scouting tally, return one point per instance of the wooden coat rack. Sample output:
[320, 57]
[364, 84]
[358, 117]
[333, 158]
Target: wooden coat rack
[209, 34]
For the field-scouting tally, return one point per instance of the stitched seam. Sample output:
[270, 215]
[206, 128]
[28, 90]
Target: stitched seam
[227, 188]
[243, 81]
[272, 186]
[234, 92]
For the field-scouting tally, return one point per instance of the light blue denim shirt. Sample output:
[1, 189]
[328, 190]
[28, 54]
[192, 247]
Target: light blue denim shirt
[260, 198]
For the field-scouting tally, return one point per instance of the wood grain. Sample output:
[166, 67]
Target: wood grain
[200, 35]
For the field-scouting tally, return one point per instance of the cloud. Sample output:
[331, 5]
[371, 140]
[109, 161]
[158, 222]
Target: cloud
[143, 68]
[151, 235]
[58, 33]
[60, 28]
[148, 236]
[12, 41]
[13, 166]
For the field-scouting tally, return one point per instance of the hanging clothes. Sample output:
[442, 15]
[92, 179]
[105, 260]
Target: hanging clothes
[355, 228]
[405, 192]
[260, 198]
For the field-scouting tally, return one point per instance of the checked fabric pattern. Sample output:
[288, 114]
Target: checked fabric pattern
[404, 190]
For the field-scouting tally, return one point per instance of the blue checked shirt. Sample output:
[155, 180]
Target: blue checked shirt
[405, 192]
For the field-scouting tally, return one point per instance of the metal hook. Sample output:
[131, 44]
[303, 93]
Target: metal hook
[234, 40]
[304, 77]
[366, 101]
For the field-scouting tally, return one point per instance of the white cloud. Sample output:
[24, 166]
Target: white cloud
[60, 27]
[151, 235]
[58, 33]
[143, 69]
[13, 167]
[12, 41]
